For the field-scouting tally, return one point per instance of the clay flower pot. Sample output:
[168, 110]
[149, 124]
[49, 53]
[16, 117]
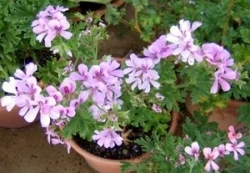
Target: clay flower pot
[103, 165]
[11, 119]
[223, 116]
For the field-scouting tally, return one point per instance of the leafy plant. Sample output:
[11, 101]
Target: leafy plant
[171, 154]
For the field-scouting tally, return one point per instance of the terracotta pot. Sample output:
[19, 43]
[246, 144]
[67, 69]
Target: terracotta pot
[223, 116]
[11, 119]
[103, 165]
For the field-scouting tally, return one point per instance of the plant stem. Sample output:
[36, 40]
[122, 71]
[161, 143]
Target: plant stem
[226, 25]
[137, 27]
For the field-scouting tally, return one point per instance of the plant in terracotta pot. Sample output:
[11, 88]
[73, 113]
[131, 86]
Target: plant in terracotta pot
[191, 152]
[18, 47]
[102, 105]
[224, 23]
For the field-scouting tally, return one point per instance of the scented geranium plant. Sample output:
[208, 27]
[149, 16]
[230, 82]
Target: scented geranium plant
[101, 100]
[192, 153]
[18, 45]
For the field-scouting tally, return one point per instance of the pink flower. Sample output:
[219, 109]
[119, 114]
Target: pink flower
[236, 148]
[182, 159]
[107, 138]
[193, 150]
[159, 96]
[9, 101]
[97, 90]
[211, 156]
[156, 108]
[222, 150]
[113, 68]
[51, 23]
[52, 91]
[131, 64]
[29, 108]
[83, 74]
[68, 86]
[222, 80]
[188, 52]
[218, 56]
[142, 74]
[30, 69]
[232, 135]
[57, 27]
[159, 49]
[177, 34]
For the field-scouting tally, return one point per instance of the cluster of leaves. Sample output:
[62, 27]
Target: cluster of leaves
[17, 43]
[164, 153]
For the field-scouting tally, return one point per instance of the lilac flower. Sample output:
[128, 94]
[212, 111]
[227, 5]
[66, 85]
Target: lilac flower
[83, 74]
[29, 87]
[211, 156]
[52, 91]
[48, 110]
[136, 82]
[68, 86]
[99, 73]
[51, 23]
[236, 148]
[177, 34]
[9, 101]
[131, 64]
[222, 150]
[159, 96]
[144, 76]
[30, 69]
[218, 56]
[159, 49]
[97, 90]
[56, 141]
[113, 68]
[98, 111]
[193, 150]
[29, 108]
[187, 51]
[222, 80]
[57, 27]
[233, 135]
[107, 138]
[50, 134]
[182, 159]
[156, 108]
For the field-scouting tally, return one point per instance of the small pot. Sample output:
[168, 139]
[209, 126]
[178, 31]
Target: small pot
[103, 165]
[223, 116]
[12, 119]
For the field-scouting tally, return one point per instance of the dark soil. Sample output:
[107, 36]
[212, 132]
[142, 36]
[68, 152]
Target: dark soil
[131, 150]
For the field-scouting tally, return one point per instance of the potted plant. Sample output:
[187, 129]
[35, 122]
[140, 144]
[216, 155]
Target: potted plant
[103, 105]
[18, 47]
[229, 28]
[191, 152]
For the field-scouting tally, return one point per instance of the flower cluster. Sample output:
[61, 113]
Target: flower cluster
[50, 23]
[180, 43]
[213, 154]
[141, 73]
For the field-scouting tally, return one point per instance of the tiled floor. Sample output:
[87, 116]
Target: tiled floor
[26, 151]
